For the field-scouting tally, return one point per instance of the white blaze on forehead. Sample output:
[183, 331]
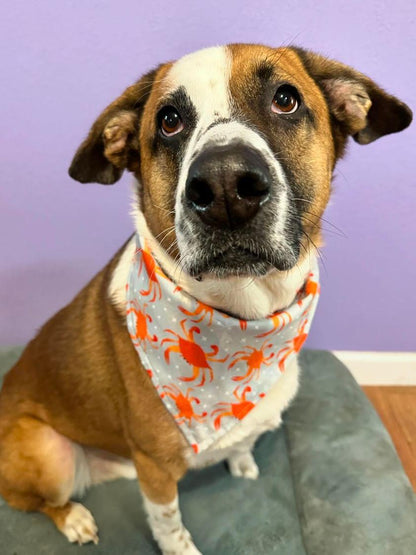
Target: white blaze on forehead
[205, 76]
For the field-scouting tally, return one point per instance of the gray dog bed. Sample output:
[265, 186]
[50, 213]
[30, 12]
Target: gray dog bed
[330, 483]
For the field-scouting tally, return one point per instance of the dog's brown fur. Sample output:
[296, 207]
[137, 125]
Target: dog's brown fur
[316, 146]
[80, 378]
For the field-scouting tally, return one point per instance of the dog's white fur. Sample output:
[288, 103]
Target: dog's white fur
[168, 529]
[208, 88]
[247, 298]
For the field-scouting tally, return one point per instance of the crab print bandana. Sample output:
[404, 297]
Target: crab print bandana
[209, 369]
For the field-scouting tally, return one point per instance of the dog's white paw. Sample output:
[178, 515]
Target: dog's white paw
[79, 526]
[178, 542]
[243, 465]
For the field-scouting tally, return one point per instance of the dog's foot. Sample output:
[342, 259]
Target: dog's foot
[243, 465]
[79, 525]
[168, 530]
[178, 543]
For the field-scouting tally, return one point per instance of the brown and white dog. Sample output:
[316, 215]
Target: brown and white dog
[233, 149]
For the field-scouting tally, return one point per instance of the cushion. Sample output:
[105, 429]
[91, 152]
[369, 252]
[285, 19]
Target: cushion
[330, 483]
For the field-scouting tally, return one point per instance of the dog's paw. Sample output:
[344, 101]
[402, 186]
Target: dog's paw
[243, 465]
[79, 526]
[178, 542]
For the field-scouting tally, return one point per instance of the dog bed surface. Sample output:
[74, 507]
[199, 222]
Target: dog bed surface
[330, 483]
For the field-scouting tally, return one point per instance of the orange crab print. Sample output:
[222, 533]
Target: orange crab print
[243, 324]
[311, 287]
[192, 353]
[202, 310]
[183, 403]
[294, 345]
[141, 335]
[279, 321]
[237, 410]
[254, 358]
[199, 313]
[152, 270]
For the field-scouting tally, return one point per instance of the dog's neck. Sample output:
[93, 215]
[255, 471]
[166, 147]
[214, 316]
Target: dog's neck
[244, 297]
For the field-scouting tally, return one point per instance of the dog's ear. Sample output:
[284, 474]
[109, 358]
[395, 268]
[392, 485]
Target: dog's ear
[112, 144]
[357, 105]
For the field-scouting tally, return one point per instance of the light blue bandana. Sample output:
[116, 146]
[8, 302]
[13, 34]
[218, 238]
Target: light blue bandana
[210, 369]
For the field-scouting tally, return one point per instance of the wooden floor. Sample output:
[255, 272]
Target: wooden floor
[397, 409]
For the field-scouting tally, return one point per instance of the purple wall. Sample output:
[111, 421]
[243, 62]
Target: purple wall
[64, 61]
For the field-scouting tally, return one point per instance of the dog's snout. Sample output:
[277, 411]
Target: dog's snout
[227, 185]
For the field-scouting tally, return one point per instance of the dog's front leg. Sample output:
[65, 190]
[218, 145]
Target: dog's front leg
[160, 497]
[168, 530]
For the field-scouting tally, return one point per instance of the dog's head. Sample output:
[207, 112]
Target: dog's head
[234, 149]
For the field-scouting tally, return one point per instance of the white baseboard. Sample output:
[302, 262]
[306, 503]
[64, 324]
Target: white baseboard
[380, 368]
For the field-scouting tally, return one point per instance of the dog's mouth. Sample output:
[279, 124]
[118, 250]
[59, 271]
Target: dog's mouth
[253, 250]
[241, 262]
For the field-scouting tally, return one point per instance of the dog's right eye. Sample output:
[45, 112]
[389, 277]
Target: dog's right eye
[170, 122]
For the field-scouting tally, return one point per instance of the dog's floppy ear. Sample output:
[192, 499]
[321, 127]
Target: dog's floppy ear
[112, 144]
[357, 105]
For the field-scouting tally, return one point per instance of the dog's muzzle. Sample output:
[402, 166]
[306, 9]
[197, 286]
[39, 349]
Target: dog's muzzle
[236, 217]
[227, 185]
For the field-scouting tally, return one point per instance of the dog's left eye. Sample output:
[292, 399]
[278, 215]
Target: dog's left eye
[286, 100]
[170, 122]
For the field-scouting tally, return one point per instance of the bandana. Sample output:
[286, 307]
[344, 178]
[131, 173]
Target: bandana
[209, 369]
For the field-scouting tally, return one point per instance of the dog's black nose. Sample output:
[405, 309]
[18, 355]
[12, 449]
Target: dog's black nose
[227, 185]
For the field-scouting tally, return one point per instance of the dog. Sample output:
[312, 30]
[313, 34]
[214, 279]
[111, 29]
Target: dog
[233, 150]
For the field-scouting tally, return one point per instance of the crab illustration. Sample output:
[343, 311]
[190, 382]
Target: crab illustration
[141, 336]
[254, 358]
[237, 410]
[311, 287]
[293, 345]
[202, 310]
[183, 403]
[192, 353]
[199, 313]
[153, 270]
[279, 321]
